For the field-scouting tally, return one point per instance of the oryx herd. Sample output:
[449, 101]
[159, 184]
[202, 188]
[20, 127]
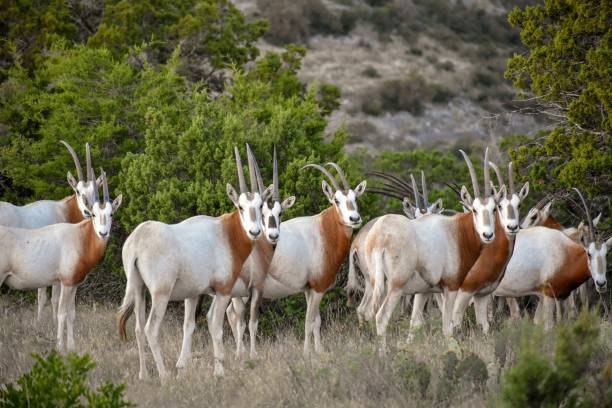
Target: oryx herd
[248, 254]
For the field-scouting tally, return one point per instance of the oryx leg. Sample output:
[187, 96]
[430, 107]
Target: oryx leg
[538, 315]
[405, 304]
[140, 316]
[215, 326]
[439, 301]
[235, 316]
[254, 319]
[416, 317]
[481, 307]
[42, 301]
[189, 319]
[70, 315]
[65, 302]
[559, 310]
[447, 313]
[570, 305]
[584, 295]
[515, 310]
[549, 307]
[383, 316]
[462, 301]
[313, 321]
[55, 294]
[159, 302]
[364, 305]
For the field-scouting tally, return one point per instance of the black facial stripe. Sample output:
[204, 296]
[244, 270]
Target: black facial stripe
[252, 214]
[511, 212]
[350, 206]
[271, 222]
[486, 220]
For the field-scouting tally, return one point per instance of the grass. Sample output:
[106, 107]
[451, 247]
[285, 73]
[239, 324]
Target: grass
[349, 373]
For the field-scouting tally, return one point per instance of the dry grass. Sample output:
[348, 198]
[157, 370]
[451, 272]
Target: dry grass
[349, 373]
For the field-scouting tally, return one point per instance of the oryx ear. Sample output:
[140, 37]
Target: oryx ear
[360, 189]
[72, 181]
[524, 191]
[436, 208]
[288, 203]
[231, 193]
[596, 220]
[408, 208]
[267, 193]
[117, 202]
[498, 196]
[609, 243]
[327, 190]
[466, 198]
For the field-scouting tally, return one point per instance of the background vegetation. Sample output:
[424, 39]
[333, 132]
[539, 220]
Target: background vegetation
[164, 90]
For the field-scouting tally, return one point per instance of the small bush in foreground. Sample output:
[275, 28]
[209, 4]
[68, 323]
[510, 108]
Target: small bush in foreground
[55, 381]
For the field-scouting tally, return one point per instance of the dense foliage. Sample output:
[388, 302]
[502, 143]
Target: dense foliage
[567, 71]
[56, 381]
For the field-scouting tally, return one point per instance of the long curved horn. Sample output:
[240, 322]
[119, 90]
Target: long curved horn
[500, 180]
[392, 178]
[96, 197]
[258, 178]
[241, 182]
[416, 193]
[425, 193]
[588, 214]
[487, 175]
[105, 186]
[385, 192]
[323, 170]
[511, 178]
[472, 174]
[77, 163]
[88, 162]
[276, 192]
[252, 171]
[456, 189]
[394, 189]
[345, 182]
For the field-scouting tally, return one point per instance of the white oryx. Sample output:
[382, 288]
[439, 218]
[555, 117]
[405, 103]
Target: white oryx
[72, 209]
[59, 253]
[308, 256]
[200, 255]
[459, 255]
[547, 263]
[400, 189]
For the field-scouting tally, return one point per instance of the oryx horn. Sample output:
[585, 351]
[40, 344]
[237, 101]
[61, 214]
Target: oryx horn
[588, 214]
[105, 186]
[77, 163]
[345, 182]
[252, 171]
[415, 190]
[276, 192]
[90, 172]
[472, 174]
[323, 170]
[425, 193]
[241, 182]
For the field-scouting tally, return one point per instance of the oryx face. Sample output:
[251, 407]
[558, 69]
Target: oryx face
[84, 191]
[249, 206]
[345, 202]
[483, 211]
[509, 207]
[102, 216]
[271, 213]
[596, 252]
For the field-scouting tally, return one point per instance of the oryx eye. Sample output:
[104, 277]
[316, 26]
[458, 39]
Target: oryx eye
[475, 212]
[240, 207]
[337, 201]
[533, 217]
[589, 254]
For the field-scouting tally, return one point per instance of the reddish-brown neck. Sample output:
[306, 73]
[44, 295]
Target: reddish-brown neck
[574, 271]
[240, 247]
[550, 222]
[336, 241]
[469, 246]
[90, 252]
[73, 213]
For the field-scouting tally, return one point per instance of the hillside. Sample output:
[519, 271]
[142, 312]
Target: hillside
[416, 72]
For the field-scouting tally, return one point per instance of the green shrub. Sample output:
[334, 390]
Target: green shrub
[371, 72]
[473, 370]
[541, 379]
[414, 374]
[56, 381]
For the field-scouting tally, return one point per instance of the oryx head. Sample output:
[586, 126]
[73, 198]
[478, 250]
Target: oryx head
[538, 214]
[482, 207]
[596, 249]
[83, 188]
[417, 211]
[248, 203]
[273, 208]
[510, 203]
[102, 210]
[344, 200]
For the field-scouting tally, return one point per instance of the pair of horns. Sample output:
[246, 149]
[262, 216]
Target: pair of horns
[260, 183]
[96, 197]
[241, 182]
[500, 180]
[415, 189]
[331, 178]
[77, 163]
[487, 175]
[588, 214]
